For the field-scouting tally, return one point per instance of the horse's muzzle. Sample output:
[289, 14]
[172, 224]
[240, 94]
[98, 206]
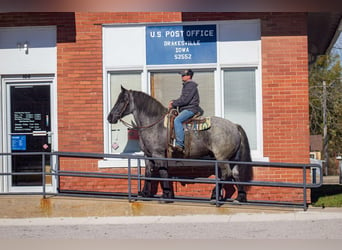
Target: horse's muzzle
[112, 119]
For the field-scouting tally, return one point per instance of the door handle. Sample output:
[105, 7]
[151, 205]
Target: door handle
[39, 133]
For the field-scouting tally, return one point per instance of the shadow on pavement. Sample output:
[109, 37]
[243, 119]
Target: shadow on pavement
[325, 190]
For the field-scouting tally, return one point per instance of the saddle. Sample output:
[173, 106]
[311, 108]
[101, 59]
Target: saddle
[195, 123]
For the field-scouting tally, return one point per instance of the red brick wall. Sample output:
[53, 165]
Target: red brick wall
[285, 100]
[80, 93]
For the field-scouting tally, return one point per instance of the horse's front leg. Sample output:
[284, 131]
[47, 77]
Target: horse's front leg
[150, 186]
[166, 185]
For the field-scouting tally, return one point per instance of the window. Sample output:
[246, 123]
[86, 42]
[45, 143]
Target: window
[240, 100]
[168, 86]
[229, 87]
[122, 140]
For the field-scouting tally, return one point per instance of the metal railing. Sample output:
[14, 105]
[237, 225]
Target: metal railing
[139, 177]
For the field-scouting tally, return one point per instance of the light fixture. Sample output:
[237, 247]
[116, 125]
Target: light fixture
[24, 46]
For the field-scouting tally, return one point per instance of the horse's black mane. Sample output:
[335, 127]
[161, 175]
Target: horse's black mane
[147, 104]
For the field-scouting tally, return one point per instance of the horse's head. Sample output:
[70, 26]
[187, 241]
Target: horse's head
[121, 107]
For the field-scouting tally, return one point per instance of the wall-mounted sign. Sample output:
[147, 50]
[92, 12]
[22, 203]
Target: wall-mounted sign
[181, 44]
[18, 142]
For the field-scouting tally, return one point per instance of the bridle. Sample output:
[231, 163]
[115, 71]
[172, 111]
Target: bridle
[131, 126]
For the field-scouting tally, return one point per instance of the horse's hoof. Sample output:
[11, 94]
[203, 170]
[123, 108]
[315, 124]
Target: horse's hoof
[145, 195]
[213, 199]
[239, 200]
[236, 202]
[242, 197]
[212, 202]
[165, 202]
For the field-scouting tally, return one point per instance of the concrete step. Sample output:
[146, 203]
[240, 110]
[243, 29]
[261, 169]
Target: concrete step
[35, 206]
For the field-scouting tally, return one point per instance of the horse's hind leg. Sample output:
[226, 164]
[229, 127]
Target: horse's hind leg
[238, 176]
[224, 174]
[227, 173]
[229, 190]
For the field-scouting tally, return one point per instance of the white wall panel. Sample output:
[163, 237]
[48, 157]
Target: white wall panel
[239, 42]
[41, 55]
[123, 46]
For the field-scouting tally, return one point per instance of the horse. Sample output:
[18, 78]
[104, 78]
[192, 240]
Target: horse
[224, 140]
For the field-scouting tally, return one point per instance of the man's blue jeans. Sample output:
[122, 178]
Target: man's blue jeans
[182, 117]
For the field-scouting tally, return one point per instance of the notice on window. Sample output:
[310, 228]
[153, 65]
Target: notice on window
[18, 142]
[27, 122]
[181, 44]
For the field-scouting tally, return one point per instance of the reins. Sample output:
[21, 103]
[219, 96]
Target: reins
[143, 127]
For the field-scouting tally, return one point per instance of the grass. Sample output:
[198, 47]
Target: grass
[327, 196]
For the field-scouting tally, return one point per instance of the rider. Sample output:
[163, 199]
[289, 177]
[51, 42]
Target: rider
[188, 104]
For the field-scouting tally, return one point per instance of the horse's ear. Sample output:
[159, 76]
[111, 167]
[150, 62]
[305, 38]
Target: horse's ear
[123, 89]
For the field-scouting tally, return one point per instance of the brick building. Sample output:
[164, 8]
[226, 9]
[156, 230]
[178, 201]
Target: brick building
[72, 64]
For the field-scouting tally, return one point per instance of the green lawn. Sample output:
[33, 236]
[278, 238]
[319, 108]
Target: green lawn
[327, 196]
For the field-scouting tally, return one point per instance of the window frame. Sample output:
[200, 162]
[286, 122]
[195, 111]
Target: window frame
[114, 162]
[257, 154]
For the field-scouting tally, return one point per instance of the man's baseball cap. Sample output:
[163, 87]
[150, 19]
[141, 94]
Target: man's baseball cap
[187, 72]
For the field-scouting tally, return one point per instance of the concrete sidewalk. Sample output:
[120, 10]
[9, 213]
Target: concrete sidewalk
[331, 179]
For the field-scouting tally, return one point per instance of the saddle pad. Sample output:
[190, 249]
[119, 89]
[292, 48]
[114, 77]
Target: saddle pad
[166, 121]
[199, 124]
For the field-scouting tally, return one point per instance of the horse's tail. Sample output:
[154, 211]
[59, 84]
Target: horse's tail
[244, 155]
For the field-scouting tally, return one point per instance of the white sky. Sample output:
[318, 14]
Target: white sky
[337, 48]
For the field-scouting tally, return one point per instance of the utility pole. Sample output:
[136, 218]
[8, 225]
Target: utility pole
[325, 129]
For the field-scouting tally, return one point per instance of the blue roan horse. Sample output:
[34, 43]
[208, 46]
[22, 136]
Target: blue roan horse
[224, 140]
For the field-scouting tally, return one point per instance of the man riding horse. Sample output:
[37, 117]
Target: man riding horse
[223, 139]
[188, 105]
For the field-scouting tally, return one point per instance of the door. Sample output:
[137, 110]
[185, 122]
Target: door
[29, 130]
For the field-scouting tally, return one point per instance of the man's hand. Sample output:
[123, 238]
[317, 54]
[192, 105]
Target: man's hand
[170, 104]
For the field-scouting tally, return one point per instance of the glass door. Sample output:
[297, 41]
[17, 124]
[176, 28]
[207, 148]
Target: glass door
[29, 130]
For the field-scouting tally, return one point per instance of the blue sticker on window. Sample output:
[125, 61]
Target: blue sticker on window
[18, 142]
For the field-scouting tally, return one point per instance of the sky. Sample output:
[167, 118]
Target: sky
[337, 48]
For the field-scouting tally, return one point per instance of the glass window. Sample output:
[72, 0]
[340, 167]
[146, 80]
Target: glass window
[122, 139]
[168, 86]
[240, 100]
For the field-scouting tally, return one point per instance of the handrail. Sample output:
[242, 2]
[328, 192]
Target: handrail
[130, 177]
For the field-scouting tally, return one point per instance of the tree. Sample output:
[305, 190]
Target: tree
[326, 103]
